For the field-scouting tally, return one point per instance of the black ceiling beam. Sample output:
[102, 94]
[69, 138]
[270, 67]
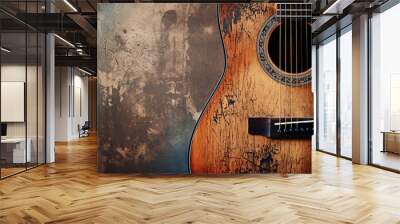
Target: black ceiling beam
[8, 24]
[81, 61]
[49, 22]
[64, 51]
[84, 24]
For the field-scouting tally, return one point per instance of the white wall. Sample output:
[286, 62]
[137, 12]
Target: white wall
[80, 110]
[70, 83]
[62, 81]
[33, 127]
[16, 73]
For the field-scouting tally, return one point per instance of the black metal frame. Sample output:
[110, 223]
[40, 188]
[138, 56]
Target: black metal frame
[327, 39]
[341, 32]
[316, 97]
[337, 35]
[338, 98]
[369, 114]
[44, 80]
[381, 9]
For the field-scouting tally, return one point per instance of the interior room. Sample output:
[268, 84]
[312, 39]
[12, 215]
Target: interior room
[384, 87]
[22, 103]
[199, 112]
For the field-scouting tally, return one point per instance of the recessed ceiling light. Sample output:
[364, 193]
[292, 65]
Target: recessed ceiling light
[64, 40]
[84, 71]
[5, 50]
[70, 5]
[338, 6]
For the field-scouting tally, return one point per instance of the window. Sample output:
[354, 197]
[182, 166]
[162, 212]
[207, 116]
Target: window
[327, 96]
[346, 93]
[385, 89]
[22, 77]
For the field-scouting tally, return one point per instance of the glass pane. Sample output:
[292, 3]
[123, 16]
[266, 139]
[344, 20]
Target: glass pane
[385, 84]
[346, 94]
[327, 97]
[13, 87]
[41, 99]
[31, 98]
[80, 101]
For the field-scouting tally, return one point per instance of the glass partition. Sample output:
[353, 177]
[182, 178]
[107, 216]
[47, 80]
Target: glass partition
[346, 93]
[31, 100]
[385, 89]
[41, 96]
[22, 78]
[327, 96]
[13, 109]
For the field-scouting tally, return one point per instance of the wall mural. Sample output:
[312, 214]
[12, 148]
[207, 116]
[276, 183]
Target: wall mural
[158, 64]
[203, 88]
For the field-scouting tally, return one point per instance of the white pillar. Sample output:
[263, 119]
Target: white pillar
[360, 90]
[50, 93]
[50, 110]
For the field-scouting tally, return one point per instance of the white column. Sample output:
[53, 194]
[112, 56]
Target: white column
[62, 103]
[50, 110]
[360, 90]
[50, 92]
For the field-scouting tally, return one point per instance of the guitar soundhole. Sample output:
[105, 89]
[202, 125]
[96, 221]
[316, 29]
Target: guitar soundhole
[289, 46]
[284, 55]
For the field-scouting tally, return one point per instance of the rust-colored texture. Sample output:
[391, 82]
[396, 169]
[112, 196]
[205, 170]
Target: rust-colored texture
[158, 64]
[221, 143]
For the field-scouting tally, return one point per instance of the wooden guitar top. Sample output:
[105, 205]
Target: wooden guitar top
[221, 143]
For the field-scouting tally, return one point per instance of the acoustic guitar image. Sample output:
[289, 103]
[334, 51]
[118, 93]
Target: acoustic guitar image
[260, 116]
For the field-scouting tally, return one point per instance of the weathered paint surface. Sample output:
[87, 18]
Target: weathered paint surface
[221, 143]
[157, 67]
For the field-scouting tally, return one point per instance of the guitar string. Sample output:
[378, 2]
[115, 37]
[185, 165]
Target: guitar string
[286, 66]
[280, 63]
[280, 67]
[296, 54]
[307, 29]
[284, 58]
[307, 45]
[298, 21]
[301, 42]
[291, 65]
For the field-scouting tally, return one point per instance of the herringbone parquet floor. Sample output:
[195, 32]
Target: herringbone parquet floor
[71, 191]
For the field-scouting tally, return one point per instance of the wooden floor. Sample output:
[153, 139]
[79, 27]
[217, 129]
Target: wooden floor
[387, 159]
[71, 191]
[5, 172]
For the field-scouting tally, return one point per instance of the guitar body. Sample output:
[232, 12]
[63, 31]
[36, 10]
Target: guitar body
[221, 142]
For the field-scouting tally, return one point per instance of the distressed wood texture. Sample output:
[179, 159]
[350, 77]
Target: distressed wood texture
[158, 65]
[221, 143]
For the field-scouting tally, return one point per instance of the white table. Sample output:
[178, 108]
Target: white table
[19, 153]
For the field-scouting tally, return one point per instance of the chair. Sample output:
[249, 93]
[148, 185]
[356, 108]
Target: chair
[84, 130]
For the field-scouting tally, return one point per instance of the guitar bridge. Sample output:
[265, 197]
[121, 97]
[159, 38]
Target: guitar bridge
[282, 128]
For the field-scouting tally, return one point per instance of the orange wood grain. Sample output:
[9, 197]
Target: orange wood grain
[221, 143]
